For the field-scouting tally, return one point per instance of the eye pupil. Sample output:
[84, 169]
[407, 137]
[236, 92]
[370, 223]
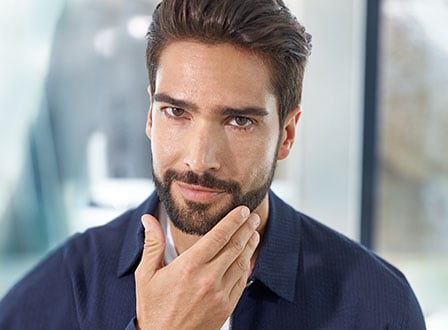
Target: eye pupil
[177, 112]
[241, 121]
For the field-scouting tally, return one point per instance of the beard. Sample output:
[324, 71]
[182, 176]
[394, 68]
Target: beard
[196, 218]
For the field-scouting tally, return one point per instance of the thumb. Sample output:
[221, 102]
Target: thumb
[154, 248]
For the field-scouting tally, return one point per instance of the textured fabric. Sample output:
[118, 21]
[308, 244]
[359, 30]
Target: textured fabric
[306, 276]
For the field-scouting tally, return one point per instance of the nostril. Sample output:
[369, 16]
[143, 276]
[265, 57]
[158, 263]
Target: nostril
[203, 149]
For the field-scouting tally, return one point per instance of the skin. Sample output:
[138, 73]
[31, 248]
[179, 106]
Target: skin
[191, 131]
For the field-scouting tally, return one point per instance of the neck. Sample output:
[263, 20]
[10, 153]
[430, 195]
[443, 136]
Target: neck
[183, 241]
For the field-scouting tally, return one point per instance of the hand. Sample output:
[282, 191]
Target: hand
[201, 287]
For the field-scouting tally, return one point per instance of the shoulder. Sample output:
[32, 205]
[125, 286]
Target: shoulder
[325, 248]
[365, 283]
[64, 285]
[103, 246]
[336, 272]
[97, 240]
[321, 247]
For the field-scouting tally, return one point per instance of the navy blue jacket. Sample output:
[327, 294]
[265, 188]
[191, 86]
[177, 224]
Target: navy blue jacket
[306, 276]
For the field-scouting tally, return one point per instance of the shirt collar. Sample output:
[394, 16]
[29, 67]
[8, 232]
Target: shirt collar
[277, 263]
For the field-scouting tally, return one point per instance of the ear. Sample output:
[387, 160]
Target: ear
[149, 118]
[288, 133]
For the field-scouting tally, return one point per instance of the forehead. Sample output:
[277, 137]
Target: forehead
[213, 73]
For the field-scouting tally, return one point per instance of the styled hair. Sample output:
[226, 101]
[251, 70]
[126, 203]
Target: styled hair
[265, 27]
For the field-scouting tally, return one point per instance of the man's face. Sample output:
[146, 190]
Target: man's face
[214, 132]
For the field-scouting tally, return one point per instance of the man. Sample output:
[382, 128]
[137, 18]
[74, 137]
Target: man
[218, 249]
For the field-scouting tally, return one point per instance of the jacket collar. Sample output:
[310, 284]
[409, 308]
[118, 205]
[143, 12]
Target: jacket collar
[278, 260]
[132, 246]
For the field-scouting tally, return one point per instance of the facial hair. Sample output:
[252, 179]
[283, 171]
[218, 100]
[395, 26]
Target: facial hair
[199, 218]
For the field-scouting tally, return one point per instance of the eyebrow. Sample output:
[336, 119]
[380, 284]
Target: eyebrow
[171, 100]
[224, 111]
[249, 111]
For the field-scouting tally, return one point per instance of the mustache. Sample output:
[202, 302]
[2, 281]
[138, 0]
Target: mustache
[205, 180]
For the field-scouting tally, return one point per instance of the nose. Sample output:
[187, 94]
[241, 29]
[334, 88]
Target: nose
[203, 148]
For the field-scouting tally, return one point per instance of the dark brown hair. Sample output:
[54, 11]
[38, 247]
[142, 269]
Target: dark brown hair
[265, 27]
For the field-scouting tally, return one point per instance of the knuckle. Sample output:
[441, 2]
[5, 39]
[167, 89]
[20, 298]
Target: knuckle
[237, 244]
[242, 264]
[220, 236]
[207, 286]
[241, 284]
[187, 271]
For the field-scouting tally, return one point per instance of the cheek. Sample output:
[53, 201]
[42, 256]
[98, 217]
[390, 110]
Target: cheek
[255, 161]
[163, 151]
[168, 138]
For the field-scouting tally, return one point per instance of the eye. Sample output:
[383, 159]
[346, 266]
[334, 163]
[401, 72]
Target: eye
[241, 122]
[174, 112]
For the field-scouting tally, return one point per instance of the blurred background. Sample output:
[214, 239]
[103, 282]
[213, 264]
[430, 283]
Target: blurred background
[370, 160]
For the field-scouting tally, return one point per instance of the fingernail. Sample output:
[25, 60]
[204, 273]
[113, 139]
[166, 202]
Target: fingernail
[145, 223]
[255, 237]
[245, 212]
[255, 220]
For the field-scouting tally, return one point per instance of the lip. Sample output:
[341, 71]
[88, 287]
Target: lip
[196, 193]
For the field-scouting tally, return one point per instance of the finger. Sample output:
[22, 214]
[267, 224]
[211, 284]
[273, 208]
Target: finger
[238, 289]
[154, 248]
[238, 277]
[236, 245]
[242, 264]
[219, 236]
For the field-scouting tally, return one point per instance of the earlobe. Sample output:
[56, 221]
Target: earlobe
[149, 123]
[149, 116]
[289, 133]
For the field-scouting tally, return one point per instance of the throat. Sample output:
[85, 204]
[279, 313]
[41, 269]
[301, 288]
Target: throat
[181, 240]
[176, 241]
